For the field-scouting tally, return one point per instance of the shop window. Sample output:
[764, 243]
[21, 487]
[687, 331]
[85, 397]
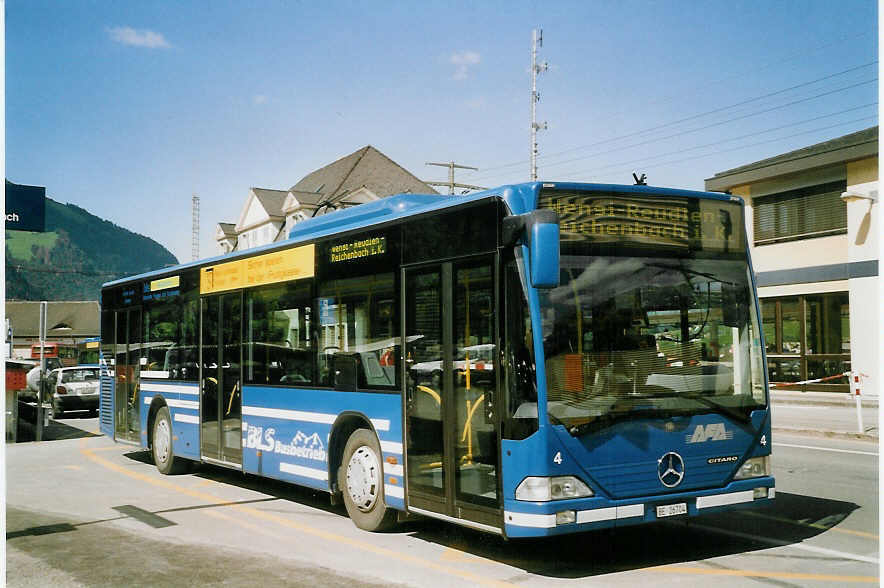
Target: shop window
[828, 324]
[808, 340]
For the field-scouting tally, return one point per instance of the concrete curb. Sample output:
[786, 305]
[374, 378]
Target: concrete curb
[815, 400]
[827, 434]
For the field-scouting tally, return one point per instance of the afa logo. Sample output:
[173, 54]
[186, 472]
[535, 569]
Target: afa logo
[710, 432]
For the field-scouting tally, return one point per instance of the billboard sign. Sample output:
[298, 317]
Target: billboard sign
[25, 208]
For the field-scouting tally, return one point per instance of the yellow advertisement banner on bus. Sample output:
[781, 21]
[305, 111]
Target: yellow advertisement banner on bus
[269, 268]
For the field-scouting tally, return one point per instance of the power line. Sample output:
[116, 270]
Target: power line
[746, 136]
[741, 103]
[754, 69]
[711, 125]
[692, 158]
[693, 117]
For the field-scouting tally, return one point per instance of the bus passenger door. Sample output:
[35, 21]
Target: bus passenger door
[127, 369]
[221, 379]
[452, 430]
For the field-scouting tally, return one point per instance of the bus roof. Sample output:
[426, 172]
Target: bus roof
[519, 197]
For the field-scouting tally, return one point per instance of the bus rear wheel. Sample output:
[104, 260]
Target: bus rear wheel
[163, 457]
[361, 478]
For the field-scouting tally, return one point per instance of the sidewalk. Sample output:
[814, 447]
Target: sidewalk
[820, 398]
[824, 414]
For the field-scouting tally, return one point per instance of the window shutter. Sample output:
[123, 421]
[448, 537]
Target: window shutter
[815, 211]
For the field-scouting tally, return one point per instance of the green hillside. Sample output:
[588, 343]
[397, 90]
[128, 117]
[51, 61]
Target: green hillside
[77, 253]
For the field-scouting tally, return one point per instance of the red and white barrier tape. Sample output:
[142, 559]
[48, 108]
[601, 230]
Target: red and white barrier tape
[817, 381]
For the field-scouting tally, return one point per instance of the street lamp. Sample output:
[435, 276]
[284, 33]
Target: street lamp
[871, 196]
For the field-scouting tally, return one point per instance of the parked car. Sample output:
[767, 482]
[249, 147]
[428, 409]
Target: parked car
[74, 388]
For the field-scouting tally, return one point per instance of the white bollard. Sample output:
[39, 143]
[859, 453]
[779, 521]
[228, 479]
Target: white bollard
[859, 407]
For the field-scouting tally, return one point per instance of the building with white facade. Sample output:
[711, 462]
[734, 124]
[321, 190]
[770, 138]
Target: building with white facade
[814, 220]
[268, 215]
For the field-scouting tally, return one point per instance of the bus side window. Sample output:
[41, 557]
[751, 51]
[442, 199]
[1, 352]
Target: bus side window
[277, 346]
[520, 420]
[357, 315]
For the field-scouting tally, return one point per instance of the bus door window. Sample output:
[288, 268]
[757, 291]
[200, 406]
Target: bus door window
[221, 394]
[475, 383]
[424, 382]
[127, 371]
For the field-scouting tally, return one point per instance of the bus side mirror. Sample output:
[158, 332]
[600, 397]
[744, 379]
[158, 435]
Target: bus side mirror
[539, 230]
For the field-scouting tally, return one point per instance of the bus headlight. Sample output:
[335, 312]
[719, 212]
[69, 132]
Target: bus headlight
[754, 468]
[537, 489]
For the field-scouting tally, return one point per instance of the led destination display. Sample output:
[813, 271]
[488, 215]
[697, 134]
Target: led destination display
[654, 222]
[358, 249]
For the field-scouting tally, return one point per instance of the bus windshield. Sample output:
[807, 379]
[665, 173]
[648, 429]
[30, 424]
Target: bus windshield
[639, 331]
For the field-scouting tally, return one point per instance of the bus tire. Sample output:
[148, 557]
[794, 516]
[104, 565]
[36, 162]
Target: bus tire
[361, 479]
[161, 448]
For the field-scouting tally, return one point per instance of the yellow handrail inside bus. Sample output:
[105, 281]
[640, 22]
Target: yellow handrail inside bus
[232, 394]
[468, 428]
[432, 393]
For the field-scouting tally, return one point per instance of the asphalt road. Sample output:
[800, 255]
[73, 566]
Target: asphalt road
[83, 511]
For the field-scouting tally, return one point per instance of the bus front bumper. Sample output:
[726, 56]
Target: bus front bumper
[538, 519]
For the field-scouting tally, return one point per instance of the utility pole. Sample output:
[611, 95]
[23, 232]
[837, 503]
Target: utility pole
[450, 183]
[537, 38]
[44, 312]
[195, 227]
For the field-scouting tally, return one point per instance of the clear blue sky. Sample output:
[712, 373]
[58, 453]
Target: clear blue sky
[126, 108]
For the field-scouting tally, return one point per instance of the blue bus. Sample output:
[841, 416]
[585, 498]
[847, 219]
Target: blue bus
[532, 360]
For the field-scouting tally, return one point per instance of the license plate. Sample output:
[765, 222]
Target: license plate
[668, 510]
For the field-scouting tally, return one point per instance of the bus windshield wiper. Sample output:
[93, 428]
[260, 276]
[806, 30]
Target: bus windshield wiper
[606, 420]
[728, 411]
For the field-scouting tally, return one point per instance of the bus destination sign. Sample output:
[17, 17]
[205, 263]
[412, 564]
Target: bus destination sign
[268, 268]
[358, 249]
[705, 224]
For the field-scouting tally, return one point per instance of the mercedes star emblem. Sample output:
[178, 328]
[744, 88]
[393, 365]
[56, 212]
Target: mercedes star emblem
[670, 469]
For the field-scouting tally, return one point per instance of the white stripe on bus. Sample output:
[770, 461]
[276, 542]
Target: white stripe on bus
[187, 418]
[391, 447]
[167, 388]
[547, 521]
[189, 404]
[159, 374]
[306, 417]
[394, 469]
[725, 499]
[394, 491]
[297, 470]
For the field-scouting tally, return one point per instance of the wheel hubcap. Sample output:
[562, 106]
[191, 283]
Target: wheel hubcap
[363, 478]
[161, 440]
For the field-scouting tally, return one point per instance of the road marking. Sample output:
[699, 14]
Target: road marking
[780, 543]
[760, 574]
[72, 467]
[260, 514]
[825, 448]
[812, 525]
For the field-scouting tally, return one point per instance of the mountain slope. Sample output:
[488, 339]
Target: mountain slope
[78, 252]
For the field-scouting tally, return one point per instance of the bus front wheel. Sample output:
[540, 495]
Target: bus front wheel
[361, 478]
[163, 457]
